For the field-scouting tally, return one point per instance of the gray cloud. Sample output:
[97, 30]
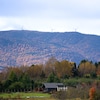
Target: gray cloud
[51, 8]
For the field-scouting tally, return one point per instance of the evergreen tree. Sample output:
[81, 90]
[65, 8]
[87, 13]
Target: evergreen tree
[53, 78]
[12, 77]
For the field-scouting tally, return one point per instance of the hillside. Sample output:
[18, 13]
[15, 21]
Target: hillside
[33, 47]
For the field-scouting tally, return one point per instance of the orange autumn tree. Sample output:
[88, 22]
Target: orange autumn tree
[92, 92]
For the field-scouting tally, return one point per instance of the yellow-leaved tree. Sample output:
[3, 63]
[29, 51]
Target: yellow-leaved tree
[86, 67]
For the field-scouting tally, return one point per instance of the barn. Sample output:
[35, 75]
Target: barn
[50, 87]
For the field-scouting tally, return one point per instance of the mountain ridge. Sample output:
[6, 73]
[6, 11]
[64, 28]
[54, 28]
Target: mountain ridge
[23, 47]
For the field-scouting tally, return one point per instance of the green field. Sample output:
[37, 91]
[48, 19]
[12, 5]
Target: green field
[24, 95]
[29, 96]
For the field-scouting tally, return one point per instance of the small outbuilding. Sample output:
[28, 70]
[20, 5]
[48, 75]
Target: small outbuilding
[50, 87]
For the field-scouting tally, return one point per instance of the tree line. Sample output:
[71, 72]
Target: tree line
[28, 78]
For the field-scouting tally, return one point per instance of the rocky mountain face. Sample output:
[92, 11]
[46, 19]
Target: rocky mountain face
[21, 47]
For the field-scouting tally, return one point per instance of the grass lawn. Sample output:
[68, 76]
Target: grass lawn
[29, 96]
[24, 95]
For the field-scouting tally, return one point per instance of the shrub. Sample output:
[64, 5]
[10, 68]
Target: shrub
[72, 93]
[60, 95]
[77, 93]
[97, 94]
[92, 93]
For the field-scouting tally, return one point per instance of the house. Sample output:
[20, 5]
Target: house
[50, 87]
[62, 88]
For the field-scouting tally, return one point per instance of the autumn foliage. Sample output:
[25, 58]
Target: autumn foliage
[92, 92]
[27, 78]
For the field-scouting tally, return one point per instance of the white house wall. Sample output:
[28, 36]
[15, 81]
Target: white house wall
[62, 88]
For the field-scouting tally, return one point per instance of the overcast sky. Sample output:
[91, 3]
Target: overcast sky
[51, 15]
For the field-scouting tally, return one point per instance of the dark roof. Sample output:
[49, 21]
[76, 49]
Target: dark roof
[60, 85]
[52, 85]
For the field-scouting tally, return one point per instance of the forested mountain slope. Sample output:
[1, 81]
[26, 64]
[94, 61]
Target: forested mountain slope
[21, 47]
